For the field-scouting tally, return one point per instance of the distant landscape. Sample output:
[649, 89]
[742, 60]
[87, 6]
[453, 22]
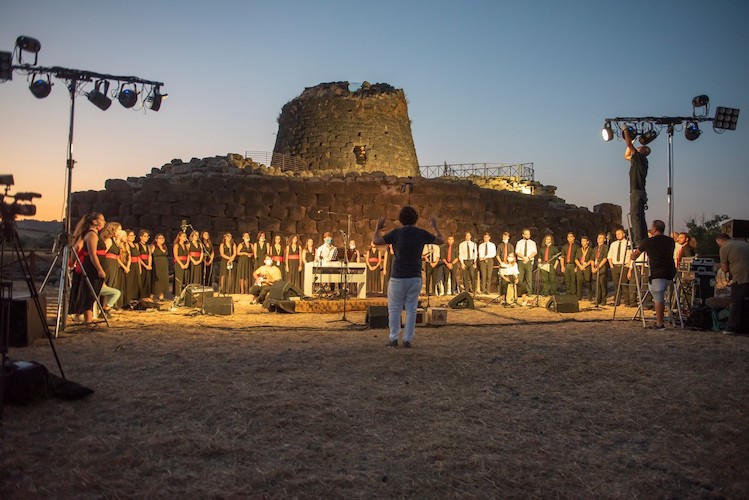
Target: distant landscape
[37, 233]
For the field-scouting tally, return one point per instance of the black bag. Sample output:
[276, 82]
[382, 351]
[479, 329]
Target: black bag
[700, 318]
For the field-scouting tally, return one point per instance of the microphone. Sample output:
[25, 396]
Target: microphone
[183, 225]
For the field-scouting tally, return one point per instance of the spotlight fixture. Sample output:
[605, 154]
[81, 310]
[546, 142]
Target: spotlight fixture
[692, 131]
[40, 87]
[99, 98]
[700, 101]
[607, 133]
[155, 99]
[128, 97]
[28, 44]
[6, 66]
[726, 118]
[648, 137]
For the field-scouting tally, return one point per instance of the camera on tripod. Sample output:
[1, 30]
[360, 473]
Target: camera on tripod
[21, 204]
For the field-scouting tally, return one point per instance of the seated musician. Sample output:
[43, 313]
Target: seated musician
[509, 272]
[264, 276]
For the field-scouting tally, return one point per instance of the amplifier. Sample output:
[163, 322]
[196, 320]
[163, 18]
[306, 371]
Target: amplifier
[437, 316]
[195, 294]
[222, 306]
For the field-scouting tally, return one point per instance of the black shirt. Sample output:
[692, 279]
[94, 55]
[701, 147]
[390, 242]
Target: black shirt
[660, 250]
[638, 171]
[408, 243]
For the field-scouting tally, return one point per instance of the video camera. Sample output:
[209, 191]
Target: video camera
[21, 204]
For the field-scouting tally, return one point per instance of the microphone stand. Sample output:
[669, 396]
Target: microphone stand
[344, 270]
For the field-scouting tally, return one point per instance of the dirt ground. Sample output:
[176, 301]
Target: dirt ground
[500, 402]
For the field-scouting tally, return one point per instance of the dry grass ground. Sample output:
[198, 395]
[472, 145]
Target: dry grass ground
[498, 403]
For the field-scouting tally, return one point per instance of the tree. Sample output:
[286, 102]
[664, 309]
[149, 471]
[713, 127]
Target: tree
[705, 233]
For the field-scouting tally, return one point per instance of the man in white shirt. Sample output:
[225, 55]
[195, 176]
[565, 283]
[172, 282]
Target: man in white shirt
[618, 258]
[487, 254]
[525, 253]
[467, 252]
[326, 252]
[432, 268]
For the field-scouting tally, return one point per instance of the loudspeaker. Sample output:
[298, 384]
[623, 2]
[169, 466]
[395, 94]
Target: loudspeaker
[279, 306]
[282, 290]
[25, 324]
[223, 306]
[563, 304]
[461, 301]
[195, 294]
[736, 228]
[377, 316]
[421, 317]
[436, 316]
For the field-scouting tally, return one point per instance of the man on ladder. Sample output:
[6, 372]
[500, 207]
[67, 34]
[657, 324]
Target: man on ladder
[660, 250]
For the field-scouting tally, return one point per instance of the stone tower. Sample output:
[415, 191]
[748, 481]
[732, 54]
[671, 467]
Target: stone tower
[329, 128]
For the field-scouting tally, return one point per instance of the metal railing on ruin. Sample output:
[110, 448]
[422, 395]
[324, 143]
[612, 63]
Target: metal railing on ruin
[520, 171]
[280, 160]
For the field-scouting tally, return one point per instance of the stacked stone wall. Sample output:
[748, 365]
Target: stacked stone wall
[224, 194]
[329, 128]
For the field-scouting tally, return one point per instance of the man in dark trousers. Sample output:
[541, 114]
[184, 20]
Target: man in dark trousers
[660, 250]
[568, 264]
[449, 256]
[734, 260]
[638, 198]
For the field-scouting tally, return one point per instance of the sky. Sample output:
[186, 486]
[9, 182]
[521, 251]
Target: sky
[486, 81]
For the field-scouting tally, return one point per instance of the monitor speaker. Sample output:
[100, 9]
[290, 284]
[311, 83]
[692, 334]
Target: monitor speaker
[283, 290]
[563, 304]
[461, 301]
[222, 306]
[377, 316]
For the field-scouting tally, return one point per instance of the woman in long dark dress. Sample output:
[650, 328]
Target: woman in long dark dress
[226, 276]
[294, 262]
[260, 249]
[89, 247]
[115, 277]
[374, 258]
[243, 268]
[208, 255]
[160, 255]
[196, 259]
[180, 253]
[308, 254]
[277, 253]
[146, 264]
[132, 276]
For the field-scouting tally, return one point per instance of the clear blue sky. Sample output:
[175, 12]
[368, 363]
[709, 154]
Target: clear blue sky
[490, 81]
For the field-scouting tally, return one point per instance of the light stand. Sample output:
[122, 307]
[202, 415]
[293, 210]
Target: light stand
[647, 126]
[75, 77]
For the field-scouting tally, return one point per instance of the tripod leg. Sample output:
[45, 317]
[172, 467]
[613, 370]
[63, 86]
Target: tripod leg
[29, 278]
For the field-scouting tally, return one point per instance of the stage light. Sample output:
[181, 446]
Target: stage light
[700, 101]
[692, 131]
[648, 137]
[40, 88]
[28, 44]
[155, 99]
[6, 66]
[726, 118]
[128, 97]
[606, 132]
[98, 98]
